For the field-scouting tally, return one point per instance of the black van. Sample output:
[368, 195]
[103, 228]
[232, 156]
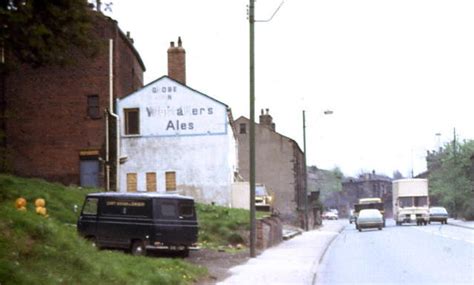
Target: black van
[139, 221]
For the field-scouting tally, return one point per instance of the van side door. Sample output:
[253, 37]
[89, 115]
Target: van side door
[87, 222]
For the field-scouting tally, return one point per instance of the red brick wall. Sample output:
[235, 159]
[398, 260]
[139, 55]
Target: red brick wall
[47, 123]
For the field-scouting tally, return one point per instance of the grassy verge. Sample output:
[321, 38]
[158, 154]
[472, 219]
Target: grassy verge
[221, 227]
[34, 249]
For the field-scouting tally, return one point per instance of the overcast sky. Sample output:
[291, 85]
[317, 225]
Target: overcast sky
[394, 73]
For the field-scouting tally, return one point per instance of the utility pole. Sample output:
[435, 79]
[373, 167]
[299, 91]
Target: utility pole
[253, 223]
[305, 188]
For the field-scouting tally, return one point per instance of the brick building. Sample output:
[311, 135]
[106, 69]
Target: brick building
[54, 118]
[367, 185]
[279, 165]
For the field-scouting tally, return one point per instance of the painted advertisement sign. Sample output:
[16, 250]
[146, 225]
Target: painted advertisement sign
[169, 109]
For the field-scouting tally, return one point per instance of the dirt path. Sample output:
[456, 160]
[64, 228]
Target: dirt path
[217, 263]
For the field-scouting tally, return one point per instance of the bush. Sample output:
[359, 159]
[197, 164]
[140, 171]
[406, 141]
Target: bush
[468, 210]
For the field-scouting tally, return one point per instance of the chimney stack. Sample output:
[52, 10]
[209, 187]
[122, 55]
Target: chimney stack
[177, 62]
[267, 120]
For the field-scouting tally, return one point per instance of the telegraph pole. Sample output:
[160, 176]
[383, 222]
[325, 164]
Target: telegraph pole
[253, 223]
[305, 188]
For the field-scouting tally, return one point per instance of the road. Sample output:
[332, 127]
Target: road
[432, 254]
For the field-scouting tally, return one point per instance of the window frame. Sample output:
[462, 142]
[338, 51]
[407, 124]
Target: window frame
[170, 184]
[242, 128]
[127, 126]
[93, 106]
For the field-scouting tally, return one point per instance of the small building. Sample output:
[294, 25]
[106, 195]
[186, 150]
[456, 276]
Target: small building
[279, 165]
[176, 139]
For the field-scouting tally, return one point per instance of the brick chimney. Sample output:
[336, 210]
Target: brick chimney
[177, 62]
[266, 120]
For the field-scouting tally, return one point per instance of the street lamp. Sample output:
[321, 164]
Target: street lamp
[306, 226]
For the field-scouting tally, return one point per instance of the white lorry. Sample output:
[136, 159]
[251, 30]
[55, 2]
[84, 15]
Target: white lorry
[411, 201]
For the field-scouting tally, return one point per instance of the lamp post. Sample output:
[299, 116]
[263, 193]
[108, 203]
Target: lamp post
[305, 172]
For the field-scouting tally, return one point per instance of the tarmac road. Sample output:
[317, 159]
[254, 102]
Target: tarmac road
[432, 254]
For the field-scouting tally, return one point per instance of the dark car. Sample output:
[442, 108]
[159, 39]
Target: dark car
[438, 214]
[139, 221]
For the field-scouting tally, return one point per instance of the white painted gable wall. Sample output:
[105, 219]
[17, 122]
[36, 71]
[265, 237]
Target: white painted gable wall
[184, 131]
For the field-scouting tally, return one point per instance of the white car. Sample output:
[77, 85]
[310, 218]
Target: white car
[329, 216]
[369, 218]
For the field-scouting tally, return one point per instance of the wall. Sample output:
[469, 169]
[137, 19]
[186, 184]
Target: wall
[278, 166]
[269, 232]
[184, 131]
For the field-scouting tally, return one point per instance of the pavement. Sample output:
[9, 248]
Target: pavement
[294, 261]
[461, 223]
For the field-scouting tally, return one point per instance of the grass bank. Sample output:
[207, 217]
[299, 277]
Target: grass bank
[35, 249]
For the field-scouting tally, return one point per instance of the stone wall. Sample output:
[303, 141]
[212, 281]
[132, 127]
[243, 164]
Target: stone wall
[269, 232]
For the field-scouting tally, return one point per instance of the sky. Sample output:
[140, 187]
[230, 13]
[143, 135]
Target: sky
[397, 75]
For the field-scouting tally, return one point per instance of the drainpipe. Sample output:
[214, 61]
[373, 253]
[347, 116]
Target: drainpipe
[107, 165]
[111, 107]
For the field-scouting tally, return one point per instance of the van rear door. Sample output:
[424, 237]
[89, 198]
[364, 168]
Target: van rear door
[175, 221]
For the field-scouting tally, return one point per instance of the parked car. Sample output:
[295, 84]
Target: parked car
[139, 221]
[263, 200]
[438, 214]
[369, 218]
[330, 216]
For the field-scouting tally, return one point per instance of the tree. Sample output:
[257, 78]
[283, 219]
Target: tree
[40, 32]
[451, 181]
[397, 175]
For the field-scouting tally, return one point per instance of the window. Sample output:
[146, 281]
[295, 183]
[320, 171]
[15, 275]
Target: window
[421, 201]
[170, 181]
[132, 126]
[131, 182]
[243, 128]
[151, 181]
[168, 210]
[93, 109]
[90, 207]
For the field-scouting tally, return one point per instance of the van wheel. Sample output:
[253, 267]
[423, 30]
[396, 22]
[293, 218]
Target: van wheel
[138, 248]
[184, 253]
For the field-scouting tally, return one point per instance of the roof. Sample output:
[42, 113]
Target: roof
[258, 125]
[139, 195]
[179, 83]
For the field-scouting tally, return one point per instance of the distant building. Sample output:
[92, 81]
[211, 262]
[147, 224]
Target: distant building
[279, 165]
[367, 185]
[176, 139]
[53, 117]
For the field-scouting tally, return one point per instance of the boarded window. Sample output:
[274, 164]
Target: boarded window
[93, 109]
[170, 181]
[151, 181]
[132, 124]
[243, 128]
[131, 182]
